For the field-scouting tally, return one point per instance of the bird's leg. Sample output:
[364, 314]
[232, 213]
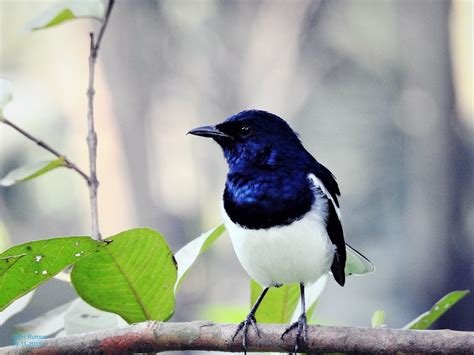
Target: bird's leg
[250, 321]
[300, 324]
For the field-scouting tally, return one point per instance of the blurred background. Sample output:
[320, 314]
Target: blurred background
[381, 92]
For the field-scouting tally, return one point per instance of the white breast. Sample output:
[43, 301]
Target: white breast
[299, 252]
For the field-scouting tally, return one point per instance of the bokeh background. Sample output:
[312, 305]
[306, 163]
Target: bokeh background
[381, 92]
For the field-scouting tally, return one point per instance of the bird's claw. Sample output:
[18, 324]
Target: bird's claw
[250, 321]
[253, 322]
[301, 333]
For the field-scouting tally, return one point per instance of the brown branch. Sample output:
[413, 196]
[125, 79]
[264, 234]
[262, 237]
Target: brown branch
[158, 337]
[92, 135]
[67, 162]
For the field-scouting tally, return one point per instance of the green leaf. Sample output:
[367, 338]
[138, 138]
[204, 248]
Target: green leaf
[356, 263]
[4, 237]
[279, 303]
[224, 313]
[5, 93]
[42, 260]
[134, 277]
[65, 11]
[31, 171]
[8, 262]
[424, 320]
[309, 312]
[312, 293]
[378, 318]
[188, 254]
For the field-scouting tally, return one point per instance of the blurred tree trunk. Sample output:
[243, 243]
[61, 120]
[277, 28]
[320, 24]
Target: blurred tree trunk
[132, 70]
[438, 161]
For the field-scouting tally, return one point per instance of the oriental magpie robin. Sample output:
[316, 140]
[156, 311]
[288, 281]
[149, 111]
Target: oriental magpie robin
[281, 208]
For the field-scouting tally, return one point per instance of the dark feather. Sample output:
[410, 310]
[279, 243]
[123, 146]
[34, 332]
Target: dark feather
[333, 226]
[263, 199]
[328, 180]
[334, 229]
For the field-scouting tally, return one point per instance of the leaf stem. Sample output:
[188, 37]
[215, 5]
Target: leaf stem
[92, 135]
[67, 162]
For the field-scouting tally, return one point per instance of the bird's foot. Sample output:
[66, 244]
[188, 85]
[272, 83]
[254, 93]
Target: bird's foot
[301, 333]
[250, 321]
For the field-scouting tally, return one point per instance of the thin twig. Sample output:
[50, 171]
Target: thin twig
[158, 337]
[92, 135]
[104, 26]
[67, 162]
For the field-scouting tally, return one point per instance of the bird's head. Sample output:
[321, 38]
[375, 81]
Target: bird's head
[254, 139]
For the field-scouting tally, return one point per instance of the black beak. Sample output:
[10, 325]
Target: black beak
[208, 131]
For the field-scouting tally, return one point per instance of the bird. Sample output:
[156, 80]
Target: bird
[281, 209]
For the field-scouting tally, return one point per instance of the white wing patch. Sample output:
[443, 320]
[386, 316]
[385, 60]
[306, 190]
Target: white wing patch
[319, 184]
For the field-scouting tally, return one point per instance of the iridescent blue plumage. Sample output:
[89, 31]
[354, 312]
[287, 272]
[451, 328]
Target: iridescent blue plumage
[267, 184]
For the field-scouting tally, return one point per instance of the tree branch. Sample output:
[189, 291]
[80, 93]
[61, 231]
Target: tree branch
[67, 162]
[103, 27]
[91, 180]
[92, 135]
[158, 337]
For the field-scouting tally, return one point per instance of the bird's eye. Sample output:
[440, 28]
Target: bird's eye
[245, 131]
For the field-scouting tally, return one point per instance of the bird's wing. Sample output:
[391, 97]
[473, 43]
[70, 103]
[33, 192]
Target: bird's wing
[333, 223]
[356, 263]
[328, 181]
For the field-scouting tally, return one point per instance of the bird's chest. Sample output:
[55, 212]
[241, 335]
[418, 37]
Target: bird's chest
[266, 200]
[278, 229]
[298, 252]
